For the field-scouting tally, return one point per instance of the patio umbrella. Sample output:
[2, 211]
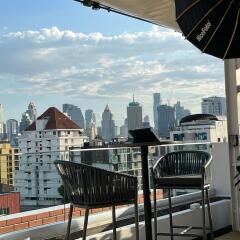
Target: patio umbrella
[213, 26]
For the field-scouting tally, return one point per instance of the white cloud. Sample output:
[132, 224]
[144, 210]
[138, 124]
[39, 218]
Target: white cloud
[87, 66]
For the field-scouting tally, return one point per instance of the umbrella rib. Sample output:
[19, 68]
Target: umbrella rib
[220, 23]
[210, 10]
[186, 9]
[235, 27]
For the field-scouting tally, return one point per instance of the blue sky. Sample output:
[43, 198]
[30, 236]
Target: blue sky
[56, 51]
[20, 15]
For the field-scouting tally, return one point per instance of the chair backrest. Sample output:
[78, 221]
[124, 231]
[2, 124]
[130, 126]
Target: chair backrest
[87, 185]
[181, 163]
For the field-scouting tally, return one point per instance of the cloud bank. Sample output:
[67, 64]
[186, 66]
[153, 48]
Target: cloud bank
[109, 68]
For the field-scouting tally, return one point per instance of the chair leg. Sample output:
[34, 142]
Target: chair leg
[170, 213]
[114, 223]
[136, 219]
[85, 224]
[203, 215]
[209, 215]
[155, 213]
[69, 222]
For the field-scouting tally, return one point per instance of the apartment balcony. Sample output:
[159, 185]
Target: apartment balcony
[50, 223]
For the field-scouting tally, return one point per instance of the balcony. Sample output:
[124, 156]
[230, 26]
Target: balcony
[50, 223]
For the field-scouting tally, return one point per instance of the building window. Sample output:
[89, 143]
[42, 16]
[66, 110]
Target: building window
[4, 211]
[201, 136]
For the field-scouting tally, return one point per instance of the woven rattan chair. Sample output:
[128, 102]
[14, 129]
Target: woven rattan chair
[90, 187]
[183, 170]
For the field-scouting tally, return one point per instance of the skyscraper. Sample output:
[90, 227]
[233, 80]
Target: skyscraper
[166, 120]
[28, 117]
[156, 103]
[124, 129]
[89, 117]
[74, 113]
[91, 130]
[180, 111]
[214, 105]
[12, 131]
[25, 122]
[32, 111]
[146, 122]
[108, 125]
[134, 115]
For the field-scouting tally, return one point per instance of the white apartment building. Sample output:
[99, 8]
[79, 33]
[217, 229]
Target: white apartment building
[201, 128]
[46, 140]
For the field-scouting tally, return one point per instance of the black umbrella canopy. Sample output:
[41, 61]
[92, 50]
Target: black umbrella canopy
[213, 26]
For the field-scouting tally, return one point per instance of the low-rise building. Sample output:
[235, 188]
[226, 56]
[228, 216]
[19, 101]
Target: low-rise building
[9, 203]
[201, 128]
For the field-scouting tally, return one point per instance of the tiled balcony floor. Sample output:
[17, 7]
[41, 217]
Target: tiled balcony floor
[230, 236]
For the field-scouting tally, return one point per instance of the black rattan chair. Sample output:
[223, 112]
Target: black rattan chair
[90, 187]
[183, 170]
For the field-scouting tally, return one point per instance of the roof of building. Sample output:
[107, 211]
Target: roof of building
[197, 117]
[56, 120]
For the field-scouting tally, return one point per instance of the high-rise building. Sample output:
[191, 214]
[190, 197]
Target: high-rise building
[117, 131]
[134, 115]
[28, 117]
[48, 139]
[180, 111]
[108, 125]
[91, 130]
[89, 117]
[1, 122]
[32, 112]
[156, 103]
[25, 122]
[214, 105]
[166, 120]
[90, 124]
[99, 131]
[146, 122]
[12, 131]
[124, 129]
[74, 113]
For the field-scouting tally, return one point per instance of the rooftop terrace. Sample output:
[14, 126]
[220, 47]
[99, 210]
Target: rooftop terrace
[51, 222]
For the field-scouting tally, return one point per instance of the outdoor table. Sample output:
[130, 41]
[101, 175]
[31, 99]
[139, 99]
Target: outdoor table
[145, 175]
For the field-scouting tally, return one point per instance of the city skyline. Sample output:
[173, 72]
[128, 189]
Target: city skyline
[119, 119]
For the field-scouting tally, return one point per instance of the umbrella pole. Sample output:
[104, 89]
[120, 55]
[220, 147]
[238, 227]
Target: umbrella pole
[233, 117]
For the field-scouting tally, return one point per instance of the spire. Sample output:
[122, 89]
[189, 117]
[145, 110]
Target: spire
[107, 108]
[133, 98]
